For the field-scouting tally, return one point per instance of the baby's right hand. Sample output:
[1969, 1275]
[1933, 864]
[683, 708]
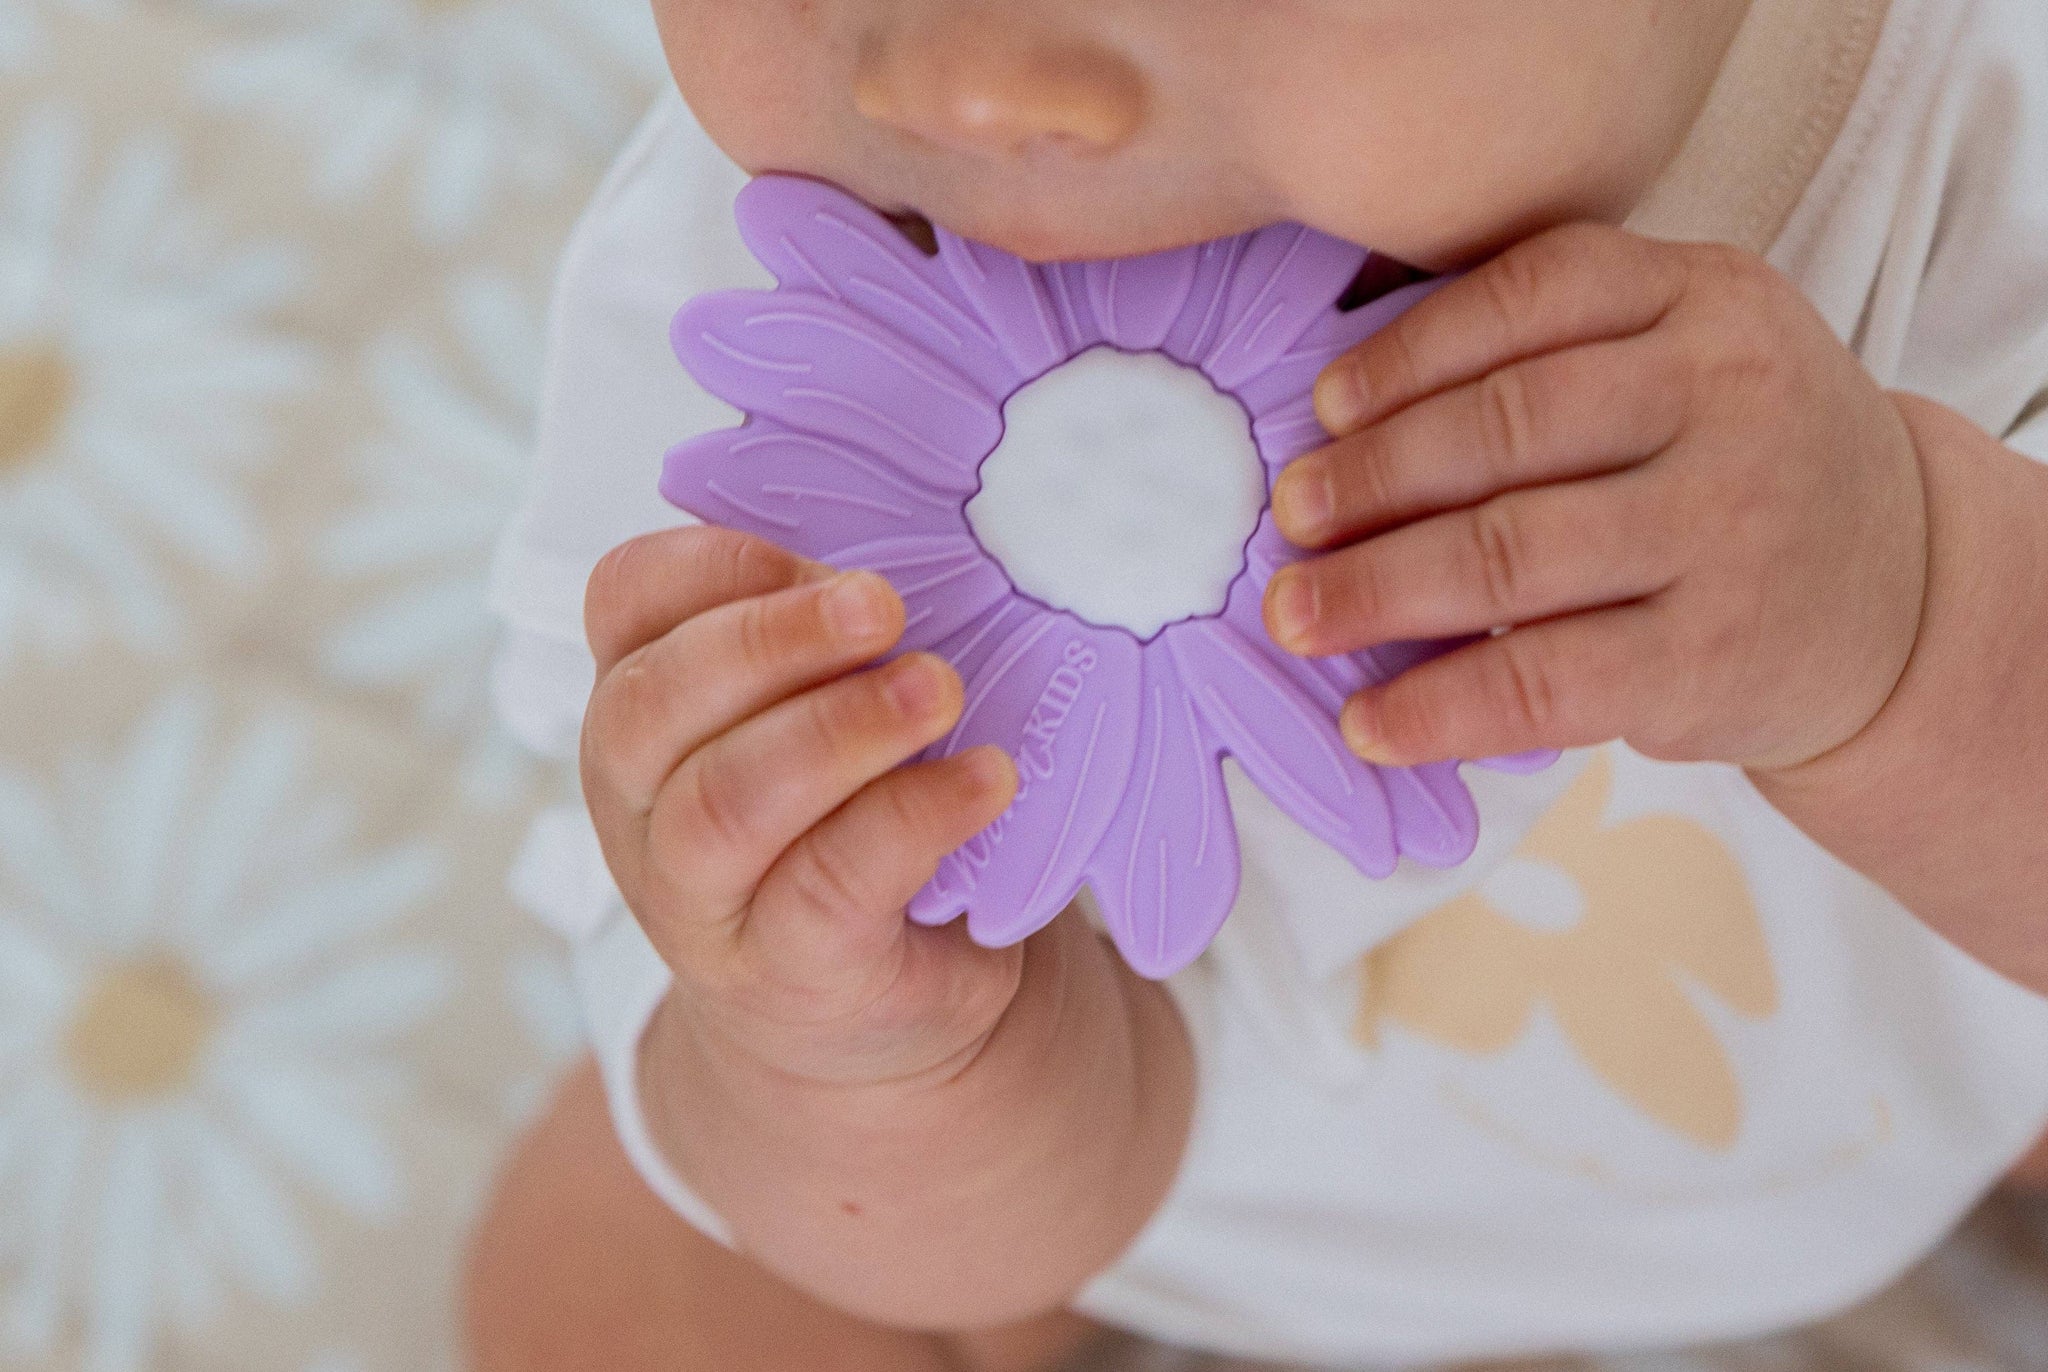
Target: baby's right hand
[742, 762]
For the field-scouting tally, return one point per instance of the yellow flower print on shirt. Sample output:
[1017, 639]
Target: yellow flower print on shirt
[1666, 908]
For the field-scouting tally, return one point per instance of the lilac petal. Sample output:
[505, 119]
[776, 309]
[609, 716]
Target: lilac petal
[1136, 300]
[1289, 275]
[1286, 741]
[1292, 376]
[1282, 398]
[1062, 698]
[1432, 811]
[1006, 292]
[1435, 820]
[972, 646]
[1194, 334]
[819, 239]
[818, 366]
[1066, 285]
[1166, 873]
[946, 582]
[813, 495]
[1291, 432]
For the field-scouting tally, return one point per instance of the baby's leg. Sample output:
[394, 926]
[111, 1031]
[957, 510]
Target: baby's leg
[579, 1268]
[2030, 1174]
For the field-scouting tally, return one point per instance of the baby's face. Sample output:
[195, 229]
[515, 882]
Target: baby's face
[1433, 130]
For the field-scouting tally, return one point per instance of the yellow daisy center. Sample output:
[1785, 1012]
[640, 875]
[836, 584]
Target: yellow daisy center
[37, 384]
[140, 1031]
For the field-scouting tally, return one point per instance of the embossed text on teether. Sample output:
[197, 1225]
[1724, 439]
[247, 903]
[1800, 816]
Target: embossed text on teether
[1035, 761]
[1050, 714]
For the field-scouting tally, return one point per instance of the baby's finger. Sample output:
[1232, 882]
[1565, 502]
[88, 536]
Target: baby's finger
[1577, 413]
[1518, 558]
[1574, 285]
[834, 903]
[708, 673]
[1568, 683]
[642, 589]
[730, 811]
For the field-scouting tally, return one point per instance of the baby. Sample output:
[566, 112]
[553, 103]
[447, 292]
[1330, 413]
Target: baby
[1730, 419]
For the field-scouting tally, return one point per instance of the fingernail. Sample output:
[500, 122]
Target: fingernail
[1305, 501]
[1341, 401]
[990, 769]
[1362, 738]
[1293, 605]
[916, 687]
[857, 607]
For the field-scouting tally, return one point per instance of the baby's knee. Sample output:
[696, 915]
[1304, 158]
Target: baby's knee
[500, 1320]
[531, 1287]
[576, 1266]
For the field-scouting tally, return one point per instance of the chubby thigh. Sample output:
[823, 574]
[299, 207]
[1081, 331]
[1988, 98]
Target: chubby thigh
[577, 1265]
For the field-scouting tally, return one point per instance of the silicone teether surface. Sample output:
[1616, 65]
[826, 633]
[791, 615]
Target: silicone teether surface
[875, 379]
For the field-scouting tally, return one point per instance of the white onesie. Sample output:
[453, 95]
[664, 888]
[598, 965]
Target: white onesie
[1653, 1067]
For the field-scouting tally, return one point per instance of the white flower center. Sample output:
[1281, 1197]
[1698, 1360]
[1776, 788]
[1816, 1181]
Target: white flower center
[1124, 491]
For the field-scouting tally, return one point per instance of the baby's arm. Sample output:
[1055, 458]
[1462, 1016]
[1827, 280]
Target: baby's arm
[912, 1129]
[1943, 798]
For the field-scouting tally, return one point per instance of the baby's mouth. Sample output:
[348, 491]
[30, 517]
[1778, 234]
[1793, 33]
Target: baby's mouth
[917, 228]
[1380, 277]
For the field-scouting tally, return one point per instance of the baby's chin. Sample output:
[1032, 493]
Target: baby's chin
[1064, 225]
[1082, 242]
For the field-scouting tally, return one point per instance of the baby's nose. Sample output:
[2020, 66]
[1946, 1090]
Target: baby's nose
[981, 83]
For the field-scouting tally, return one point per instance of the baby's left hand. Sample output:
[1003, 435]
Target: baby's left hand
[1700, 519]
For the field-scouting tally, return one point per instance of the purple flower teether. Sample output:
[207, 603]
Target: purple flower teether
[876, 379]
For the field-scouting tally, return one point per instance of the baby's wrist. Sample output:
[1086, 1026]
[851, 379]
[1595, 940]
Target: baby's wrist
[1062, 1132]
[1931, 799]
[1897, 655]
[711, 1084]
[1932, 671]
[732, 1093]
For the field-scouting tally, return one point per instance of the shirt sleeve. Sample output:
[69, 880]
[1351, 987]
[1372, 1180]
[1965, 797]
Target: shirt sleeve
[613, 401]
[2031, 437]
[613, 397]
[1974, 214]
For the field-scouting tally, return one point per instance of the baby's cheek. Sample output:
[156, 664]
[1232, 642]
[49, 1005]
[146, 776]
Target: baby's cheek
[757, 75]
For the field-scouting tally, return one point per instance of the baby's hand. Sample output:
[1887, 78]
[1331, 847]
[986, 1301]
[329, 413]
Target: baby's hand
[1700, 519]
[739, 760]
[838, 1084]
